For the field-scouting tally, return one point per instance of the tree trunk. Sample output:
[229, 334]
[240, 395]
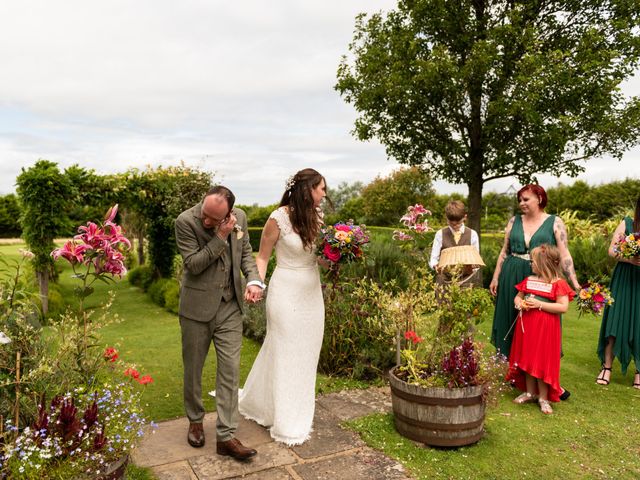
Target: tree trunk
[43, 282]
[140, 248]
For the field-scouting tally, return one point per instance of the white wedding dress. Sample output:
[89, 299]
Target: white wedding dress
[280, 390]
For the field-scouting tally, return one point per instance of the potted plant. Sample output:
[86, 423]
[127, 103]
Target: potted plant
[444, 377]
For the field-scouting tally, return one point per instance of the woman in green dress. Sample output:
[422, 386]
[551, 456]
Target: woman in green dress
[531, 228]
[620, 330]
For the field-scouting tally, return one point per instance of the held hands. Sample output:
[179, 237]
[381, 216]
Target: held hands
[253, 294]
[226, 227]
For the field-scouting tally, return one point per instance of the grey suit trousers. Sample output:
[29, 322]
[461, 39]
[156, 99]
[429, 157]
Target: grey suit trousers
[225, 330]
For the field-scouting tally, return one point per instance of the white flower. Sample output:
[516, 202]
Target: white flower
[4, 339]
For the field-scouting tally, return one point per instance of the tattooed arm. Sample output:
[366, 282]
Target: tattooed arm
[493, 287]
[562, 241]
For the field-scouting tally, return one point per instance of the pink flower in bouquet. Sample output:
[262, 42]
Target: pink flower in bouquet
[341, 227]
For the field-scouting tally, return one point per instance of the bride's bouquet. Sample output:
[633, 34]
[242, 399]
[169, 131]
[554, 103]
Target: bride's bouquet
[629, 246]
[343, 242]
[592, 298]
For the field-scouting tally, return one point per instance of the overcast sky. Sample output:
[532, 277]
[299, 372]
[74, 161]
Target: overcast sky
[243, 89]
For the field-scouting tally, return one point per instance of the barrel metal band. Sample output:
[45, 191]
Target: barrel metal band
[449, 402]
[450, 427]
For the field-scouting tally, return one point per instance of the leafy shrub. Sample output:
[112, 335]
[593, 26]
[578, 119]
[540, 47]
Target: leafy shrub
[254, 237]
[141, 276]
[490, 247]
[254, 321]
[358, 338]
[156, 291]
[591, 259]
[171, 295]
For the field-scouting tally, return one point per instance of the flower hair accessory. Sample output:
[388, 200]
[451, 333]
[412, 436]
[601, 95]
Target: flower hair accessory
[291, 182]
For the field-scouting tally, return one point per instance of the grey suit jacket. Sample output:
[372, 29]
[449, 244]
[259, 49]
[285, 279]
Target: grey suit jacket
[204, 273]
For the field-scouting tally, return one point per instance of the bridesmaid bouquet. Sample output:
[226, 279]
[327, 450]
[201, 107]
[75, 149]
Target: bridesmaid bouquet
[592, 298]
[343, 242]
[629, 246]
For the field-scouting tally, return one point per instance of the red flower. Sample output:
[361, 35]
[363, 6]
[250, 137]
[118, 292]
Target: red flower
[132, 372]
[598, 298]
[332, 254]
[110, 354]
[412, 336]
[145, 379]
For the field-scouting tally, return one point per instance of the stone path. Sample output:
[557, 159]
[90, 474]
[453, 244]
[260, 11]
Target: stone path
[332, 453]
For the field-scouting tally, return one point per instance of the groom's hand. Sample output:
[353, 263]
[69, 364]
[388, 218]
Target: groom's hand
[226, 227]
[253, 294]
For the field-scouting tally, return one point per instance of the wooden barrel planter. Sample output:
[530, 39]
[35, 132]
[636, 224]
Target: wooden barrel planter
[440, 417]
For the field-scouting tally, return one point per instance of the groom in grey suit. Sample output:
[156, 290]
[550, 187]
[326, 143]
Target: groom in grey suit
[213, 241]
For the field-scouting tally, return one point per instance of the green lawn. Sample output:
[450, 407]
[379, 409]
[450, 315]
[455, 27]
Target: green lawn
[592, 435]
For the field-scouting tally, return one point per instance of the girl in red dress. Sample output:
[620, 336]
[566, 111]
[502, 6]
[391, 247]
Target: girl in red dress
[534, 360]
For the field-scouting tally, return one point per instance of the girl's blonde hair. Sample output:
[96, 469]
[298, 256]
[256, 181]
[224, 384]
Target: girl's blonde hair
[547, 260]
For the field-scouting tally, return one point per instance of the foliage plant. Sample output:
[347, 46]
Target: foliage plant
[83, 431]
[477, 90]
[437, 323]
[94, 414]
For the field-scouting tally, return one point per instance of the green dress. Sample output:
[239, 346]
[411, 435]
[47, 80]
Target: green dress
[622, 319]
[515, 270]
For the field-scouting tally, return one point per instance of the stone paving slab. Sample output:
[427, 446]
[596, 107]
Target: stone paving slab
[350, 404]
[363, 465]
[332, 453]
[327, 437]
[174, 471]
[216, 467]
[272, 474]
[168, 444]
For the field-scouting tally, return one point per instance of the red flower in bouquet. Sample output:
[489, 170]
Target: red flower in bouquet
[331, 253]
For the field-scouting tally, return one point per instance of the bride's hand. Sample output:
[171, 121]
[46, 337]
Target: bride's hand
[324, 263]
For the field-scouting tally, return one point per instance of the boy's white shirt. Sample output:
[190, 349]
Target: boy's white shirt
[437, 244]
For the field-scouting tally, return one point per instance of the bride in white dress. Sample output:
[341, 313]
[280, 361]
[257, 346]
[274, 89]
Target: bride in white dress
[280, 390]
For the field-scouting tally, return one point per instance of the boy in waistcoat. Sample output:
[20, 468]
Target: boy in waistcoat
[453, 235]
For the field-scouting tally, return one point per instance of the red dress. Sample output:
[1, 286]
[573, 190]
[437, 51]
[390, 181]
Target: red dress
[537, 338]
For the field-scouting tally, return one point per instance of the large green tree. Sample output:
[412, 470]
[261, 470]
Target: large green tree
[477, 90]
[44, 194]
[157, 196]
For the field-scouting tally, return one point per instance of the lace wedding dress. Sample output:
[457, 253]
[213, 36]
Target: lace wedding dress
[280, 390]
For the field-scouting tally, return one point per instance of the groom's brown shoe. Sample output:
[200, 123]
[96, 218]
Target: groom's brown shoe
[235, 449]
[195, 437]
